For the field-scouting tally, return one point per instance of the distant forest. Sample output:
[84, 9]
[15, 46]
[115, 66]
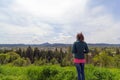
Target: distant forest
[23, 56]
[59, 45]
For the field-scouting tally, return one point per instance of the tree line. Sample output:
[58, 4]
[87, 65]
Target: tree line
[98, 56]
[37, 56]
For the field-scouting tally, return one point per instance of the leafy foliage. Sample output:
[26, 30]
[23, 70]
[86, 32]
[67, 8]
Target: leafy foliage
[56, 72]
[21, 62]
[8, 57]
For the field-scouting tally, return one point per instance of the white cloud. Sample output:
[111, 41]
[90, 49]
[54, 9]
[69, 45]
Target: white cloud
[38, 21]
[38, 30]
[60, 11]
[104, 29]
[15, 33]
[62, 37]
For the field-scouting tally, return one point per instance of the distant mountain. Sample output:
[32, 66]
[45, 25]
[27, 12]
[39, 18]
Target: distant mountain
[45, 44]
[58, 45]
[42, 45]
[61, 44]
[54, 45]
[103, 45]
[11, 45]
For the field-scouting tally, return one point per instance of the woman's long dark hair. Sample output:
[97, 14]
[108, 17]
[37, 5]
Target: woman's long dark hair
[80, 37]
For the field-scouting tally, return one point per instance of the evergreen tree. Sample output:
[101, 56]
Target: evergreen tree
[29, 54]
[117, 51]
[36, 53]
[19, 51]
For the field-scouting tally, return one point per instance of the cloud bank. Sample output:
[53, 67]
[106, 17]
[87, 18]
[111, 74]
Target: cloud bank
[56, 21]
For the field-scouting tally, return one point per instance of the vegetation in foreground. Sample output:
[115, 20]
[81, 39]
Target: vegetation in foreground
[55, 72]
[56, 64]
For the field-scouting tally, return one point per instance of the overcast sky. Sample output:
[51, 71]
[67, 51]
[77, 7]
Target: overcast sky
[58, 21]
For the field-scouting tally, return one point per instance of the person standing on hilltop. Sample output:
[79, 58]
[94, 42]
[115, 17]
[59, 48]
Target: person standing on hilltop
[79, 49]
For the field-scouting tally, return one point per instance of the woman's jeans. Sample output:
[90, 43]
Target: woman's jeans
[80, 71]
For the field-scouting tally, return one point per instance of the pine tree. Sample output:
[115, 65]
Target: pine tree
[36, 53]
[29, 54]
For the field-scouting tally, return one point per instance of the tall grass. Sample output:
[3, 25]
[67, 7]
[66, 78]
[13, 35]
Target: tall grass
[55, 72]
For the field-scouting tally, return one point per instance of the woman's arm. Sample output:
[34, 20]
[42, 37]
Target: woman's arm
[86, 49]
[74, 50]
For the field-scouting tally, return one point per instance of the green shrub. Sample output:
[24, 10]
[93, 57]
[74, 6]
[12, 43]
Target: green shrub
[54, 61]
[12, 56]
[45, 73]
[40, 62]
[28, 62]
[50, 73]
[21, 62]
[103, 75]
[65, 62]
[55, 72]
[2, 58]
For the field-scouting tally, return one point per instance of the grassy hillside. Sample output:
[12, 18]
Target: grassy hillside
[55, 72]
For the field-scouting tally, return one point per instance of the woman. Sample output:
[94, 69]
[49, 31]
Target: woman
[79, 49]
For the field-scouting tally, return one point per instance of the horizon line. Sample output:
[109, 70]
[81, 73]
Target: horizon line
[51, 43]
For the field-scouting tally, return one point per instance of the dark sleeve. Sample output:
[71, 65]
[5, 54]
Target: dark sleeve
[86, 49]
[74, 48]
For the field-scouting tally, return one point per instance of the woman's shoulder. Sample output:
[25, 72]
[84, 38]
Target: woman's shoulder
[84, 43]
[76, 42]
[80, 42]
